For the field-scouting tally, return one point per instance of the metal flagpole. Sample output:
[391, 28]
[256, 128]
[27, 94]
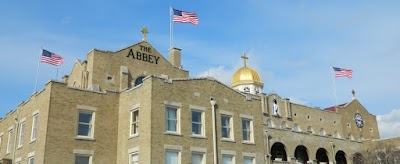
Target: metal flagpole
[334, 85]
[57, 73]
[37, 69]
[170, 27]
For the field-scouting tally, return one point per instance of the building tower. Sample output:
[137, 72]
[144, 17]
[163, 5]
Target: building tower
[247, 79]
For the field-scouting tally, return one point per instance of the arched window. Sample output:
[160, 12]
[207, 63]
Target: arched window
[322, 132]
[310, 130]
[296, 128]
[283, 125]
[139, 80]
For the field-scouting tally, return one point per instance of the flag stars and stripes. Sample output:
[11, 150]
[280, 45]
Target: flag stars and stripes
[51, 58]
[342, 72]
[185, 17]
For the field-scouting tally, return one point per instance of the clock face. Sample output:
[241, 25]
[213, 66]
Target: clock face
[246, 89]
[359, 120]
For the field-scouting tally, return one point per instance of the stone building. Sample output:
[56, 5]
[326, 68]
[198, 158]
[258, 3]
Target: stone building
[135, 106]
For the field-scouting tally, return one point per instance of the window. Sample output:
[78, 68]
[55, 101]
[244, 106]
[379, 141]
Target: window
[283, 125]
[134, 122]
[227, 159]
[247, 126]
[34, 127]
[172, 157]
[198, 158]
[171, 120]
[248, 160]
[134, 158]
[296, 128]
[197, 122]
[31, 160]
[139, 80]
[226, 122]
[21, 134]
[85, 124]
[83, 159]
[9, 143]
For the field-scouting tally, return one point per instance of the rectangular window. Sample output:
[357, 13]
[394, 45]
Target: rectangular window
[134, 158]
[134, 122]
[34, 127]
[226, 124]
[9, 143]
[198, 158]
[197, 123]
[83, 159]
[31, 160]
[247, 130]
[248, 160]
[85, 124]
[21, 134]
[172, 121]
[172, 157]
[227, 159]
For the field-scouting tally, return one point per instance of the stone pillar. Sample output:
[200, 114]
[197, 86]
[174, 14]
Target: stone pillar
[175, 57]
[124, 78]
[287, 108]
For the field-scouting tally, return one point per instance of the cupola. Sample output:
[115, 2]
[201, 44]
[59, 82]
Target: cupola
[247, 79]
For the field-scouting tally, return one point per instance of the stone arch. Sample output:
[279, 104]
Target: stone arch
[139, 80]
[310, 130]
[357, 158]
[322, 156]
[296, 128]
[269, 123]
[301, 154]
[340, 157]
[336, 134]
[283, 125]
[278, 152]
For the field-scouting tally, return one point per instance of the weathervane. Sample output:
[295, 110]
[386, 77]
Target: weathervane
[144, 32]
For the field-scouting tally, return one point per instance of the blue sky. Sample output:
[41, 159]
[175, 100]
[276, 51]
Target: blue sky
[290, 43]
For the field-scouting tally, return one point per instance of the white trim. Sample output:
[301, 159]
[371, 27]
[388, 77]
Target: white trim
[228, 152]
[203, 122]
[11, 127]
[173, 147]
[196, 107]
[91, 136]
[131, 122]
[36, 115]
[18, 159]
[226, 113]
[133, 150]
[35, 112]
[172, 103]
[20, 136]
[31, 154]
[198, 149]
[83, 152]
[178, 120]
[85, 107]
[246, 116]
[135, 106]
[253, 155]
[22, 120]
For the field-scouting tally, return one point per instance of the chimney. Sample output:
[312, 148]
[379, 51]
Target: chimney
[175, 57]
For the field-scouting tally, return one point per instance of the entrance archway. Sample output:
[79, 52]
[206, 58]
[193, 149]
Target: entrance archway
[340, 157]
[278, 152]
[322, 156]
[301, 154]
[357, 158]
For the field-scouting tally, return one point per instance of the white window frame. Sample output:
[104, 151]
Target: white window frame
[133, 154]
[30, 159]
[230, 127]
[250, 131]
[173, 148]
[86, 110]
[228, 153]
[199, 151]
[1, 139]
[85, 153]
[21, 135]
[200, 110]
[177, 120]
[134, 125]
[249, 156]
[9, 141]
[35, 121]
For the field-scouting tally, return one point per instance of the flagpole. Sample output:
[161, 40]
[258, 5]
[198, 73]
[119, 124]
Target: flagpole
[334, 85]
[170, 27]
[57, 73]
[37, 69]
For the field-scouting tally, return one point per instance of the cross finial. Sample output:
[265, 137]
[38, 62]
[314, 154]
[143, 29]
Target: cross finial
[144, 32]
[354, 94]
[244, 57]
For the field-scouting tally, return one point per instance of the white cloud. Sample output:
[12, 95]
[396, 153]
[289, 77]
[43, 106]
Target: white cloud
[220, 73]
[389, 124]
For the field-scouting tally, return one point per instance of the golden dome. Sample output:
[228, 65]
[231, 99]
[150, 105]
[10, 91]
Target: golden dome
[245, 75]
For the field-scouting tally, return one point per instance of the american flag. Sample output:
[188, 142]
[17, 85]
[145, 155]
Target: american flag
[342, 72]
[51, 58]
[185, 17]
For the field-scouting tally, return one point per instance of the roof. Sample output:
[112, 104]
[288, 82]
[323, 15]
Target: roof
[333, 108]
